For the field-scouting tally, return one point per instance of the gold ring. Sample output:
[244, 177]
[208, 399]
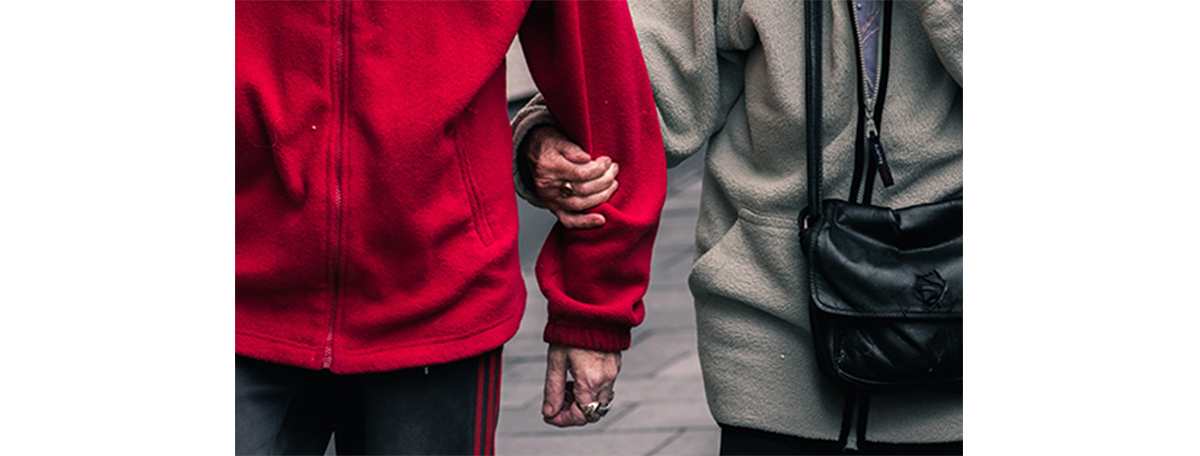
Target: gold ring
[567, 190]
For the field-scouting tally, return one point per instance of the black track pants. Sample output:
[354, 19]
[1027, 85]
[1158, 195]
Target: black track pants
[449, 409]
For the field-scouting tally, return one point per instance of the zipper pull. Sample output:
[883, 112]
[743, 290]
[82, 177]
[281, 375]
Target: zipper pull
[885, 172]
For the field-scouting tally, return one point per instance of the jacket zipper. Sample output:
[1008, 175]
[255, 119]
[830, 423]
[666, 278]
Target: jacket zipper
[874, 144]
[876, 148]
[336, 207]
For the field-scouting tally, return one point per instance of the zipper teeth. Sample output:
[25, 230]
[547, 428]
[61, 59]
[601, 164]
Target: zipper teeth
[338, 84]
[868, 108]
[862, 61]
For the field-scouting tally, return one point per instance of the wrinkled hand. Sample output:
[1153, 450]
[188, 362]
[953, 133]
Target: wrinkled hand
[555, 161]
[594, 372]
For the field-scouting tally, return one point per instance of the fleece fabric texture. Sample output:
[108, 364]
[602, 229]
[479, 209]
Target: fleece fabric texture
[728, 78]
[376, 219]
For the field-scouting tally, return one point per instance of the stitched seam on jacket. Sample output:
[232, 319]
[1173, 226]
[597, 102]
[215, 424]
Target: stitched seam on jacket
[478, 216]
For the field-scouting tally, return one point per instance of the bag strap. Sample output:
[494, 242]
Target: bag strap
[812, 103]
[854, 412]
[854, 420]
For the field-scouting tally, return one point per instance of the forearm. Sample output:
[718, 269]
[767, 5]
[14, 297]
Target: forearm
[594, 81]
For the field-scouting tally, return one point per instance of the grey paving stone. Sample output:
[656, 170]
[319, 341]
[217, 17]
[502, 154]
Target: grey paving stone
[652, 350]
[657, 389]
[693, 442]
[672, 267]
[534, 320]
[668, 297]
[669, 318]
[524, 372]
[520, 395]
[522, 422]
[523, 344]
[674, 414]
[584, 444]
[685, 368]
[676, 232]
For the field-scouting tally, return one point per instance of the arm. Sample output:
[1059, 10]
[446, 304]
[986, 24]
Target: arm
[944, 25]
[584, 56]
[694, 56]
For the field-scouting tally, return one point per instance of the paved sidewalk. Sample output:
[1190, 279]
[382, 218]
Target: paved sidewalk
[660, 407]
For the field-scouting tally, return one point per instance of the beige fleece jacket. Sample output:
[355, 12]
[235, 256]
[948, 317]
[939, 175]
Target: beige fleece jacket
[728, 80]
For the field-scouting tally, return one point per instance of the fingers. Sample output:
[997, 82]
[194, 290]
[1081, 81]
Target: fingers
[572, 152]
[553, 394]
[587, 394]
[548, 138]
[585, 188]
[594, 372]
[581, 203]
[556, 167]
[558, 403]
[555, 159]
[555, 162]
[577, 221]
[585, 196]
[570, 414]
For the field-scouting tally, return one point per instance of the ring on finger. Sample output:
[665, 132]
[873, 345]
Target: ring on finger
[603, 409]
[567, 190]
[594, 411]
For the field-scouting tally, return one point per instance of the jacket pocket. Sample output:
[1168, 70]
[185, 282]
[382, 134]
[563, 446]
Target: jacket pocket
[756, 263]
[472, 185]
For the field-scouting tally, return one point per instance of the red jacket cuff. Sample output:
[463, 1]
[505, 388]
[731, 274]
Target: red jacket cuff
[589, 338]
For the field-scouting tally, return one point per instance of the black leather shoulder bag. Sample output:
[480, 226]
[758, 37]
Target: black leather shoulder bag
[885, 284]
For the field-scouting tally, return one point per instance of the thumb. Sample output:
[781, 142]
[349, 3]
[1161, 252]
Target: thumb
[573, 153]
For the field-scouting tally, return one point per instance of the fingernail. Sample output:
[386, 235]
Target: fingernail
[547, 409]
[616, 168]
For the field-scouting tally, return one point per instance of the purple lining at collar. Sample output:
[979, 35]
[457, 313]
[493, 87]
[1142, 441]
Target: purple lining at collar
[870, 16]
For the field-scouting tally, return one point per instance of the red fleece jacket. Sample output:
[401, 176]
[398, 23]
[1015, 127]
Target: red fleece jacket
[376, 217]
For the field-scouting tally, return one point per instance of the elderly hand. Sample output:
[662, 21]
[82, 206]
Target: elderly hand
[566, 178]
[594, 372]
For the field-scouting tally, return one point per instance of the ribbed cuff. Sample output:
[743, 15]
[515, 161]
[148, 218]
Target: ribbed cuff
[589, 338]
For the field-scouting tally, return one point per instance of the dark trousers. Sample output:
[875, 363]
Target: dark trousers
[743, 441]
[445, 409]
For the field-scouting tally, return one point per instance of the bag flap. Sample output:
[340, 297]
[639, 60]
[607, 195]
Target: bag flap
[874, 261]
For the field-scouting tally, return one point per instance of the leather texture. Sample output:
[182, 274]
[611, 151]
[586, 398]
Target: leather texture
[886, 294]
